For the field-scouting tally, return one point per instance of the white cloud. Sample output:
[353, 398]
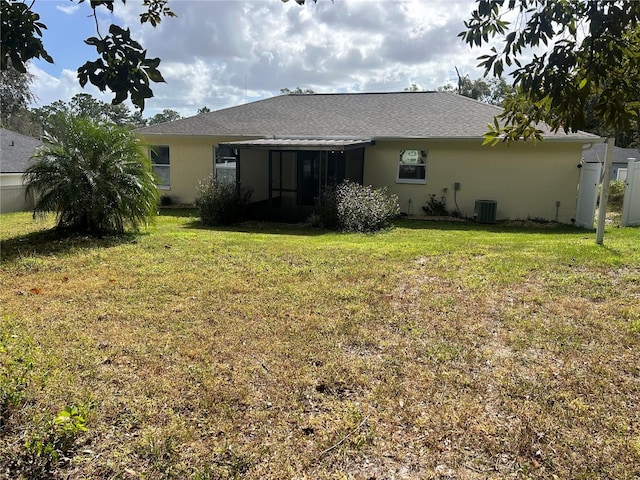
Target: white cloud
[223, 52]
[49, 89]
[68, 9]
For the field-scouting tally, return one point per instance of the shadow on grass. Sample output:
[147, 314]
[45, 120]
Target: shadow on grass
[269, 228]
[180, 212]
[507, 226]
[301, 228]
[56, 242]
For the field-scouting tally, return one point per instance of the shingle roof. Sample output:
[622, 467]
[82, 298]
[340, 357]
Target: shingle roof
[357, 115]
[16, 151]
[620, 155]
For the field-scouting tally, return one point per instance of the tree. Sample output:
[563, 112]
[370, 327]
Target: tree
[15, 92]
[167, 115]
[85, 105]
[592, 63]
[204, 109]
[54, 116]
[412, 88]
[623, 138]
[15, 97]
[298, 90]
[137, 120]
[95, 177]
[499, 90]
[447, 88]
[122, 66]
[492, 91]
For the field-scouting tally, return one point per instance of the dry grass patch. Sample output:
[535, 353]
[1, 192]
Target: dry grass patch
[428, 351]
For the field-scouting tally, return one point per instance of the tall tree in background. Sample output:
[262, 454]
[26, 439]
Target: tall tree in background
[626, 138]
[85, 105]
[167, 115]
[493, 91]
[591, 65]
[297, 90]
[53, 117]
[15, 97]
[122, 66]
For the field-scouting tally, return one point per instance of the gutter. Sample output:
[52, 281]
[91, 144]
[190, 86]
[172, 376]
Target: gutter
[586, 139]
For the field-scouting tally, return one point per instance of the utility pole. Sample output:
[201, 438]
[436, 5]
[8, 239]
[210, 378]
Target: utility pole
[604, 191]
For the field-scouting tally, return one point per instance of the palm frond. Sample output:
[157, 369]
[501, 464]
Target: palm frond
[95, 178]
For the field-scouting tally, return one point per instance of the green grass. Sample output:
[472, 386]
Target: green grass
[432, 350]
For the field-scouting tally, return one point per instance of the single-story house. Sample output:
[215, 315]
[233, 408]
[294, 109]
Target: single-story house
[619, 162]
[417, 144]
[15, 156]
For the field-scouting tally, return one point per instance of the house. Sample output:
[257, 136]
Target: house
[15, 156]
[287, 148]
[619, 162]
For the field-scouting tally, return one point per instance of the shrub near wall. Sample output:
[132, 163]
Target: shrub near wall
[616, 193]
[364, 209]
[221, 203]
[325, 214]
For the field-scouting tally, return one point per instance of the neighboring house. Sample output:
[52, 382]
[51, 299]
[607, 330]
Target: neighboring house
[15, 156]
[287, 148]
[597, 153]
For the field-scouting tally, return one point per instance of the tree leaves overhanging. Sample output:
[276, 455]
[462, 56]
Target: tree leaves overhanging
[122, 66]
[584, 59]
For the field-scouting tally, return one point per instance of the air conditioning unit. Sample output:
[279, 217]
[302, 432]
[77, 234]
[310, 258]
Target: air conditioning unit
[485, 211]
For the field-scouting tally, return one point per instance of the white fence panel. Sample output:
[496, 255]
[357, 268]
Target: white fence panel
[588, 194]
[12, 199]
[631, 202]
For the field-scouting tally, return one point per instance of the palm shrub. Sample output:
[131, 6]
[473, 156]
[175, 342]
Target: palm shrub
[221, 203]
[95, 177]
[364, 209]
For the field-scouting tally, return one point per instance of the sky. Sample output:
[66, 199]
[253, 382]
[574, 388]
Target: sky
[222, 53]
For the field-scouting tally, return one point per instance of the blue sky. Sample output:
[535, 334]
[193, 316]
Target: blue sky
[221, 53]
[64, 35]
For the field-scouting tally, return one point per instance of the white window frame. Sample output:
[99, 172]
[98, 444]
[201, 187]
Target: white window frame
[419, 159]
[156, 166]
[621, 174]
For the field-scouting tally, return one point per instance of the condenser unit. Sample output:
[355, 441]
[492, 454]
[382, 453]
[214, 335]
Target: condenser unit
[485, 211]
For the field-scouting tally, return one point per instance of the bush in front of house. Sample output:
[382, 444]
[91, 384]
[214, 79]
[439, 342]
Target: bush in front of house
[166, 201]
[221, 203]
[436, 207]
[325, 214]
[364, 209]
[616, 193]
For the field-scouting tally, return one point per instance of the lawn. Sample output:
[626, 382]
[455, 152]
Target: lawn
[432, 350]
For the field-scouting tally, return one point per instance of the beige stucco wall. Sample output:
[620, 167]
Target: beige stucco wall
[191, 160]
[526, 180]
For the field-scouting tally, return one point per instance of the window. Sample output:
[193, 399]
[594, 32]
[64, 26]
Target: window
[412, 166]
[225, 164]
[161, 165]
[621, 175]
